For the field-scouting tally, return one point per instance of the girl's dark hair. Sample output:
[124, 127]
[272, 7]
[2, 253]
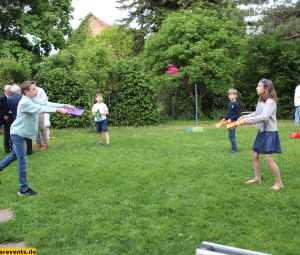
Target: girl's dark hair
[269, 90]
[25, 86]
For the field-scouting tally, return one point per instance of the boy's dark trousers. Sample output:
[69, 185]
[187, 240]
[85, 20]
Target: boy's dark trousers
[6, 136]
[28, 146]
[231, 136]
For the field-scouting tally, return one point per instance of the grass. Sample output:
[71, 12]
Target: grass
[157, 190]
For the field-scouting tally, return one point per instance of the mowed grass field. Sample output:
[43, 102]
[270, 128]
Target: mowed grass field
[156, 190]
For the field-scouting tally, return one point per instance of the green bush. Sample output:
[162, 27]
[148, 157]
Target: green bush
[12, 71]
[267, 57]
[74, 76]
[206, 47]
[133, 101]
[61, 88]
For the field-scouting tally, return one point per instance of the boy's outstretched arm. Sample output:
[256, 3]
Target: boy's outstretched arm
[62, 111]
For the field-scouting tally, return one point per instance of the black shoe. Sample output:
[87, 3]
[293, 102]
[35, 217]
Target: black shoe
[28, 192]
[29, 152]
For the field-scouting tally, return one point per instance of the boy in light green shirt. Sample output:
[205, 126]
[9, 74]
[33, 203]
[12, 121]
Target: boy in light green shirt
[26, 126]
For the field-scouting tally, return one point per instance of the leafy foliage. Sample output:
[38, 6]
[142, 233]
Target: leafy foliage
[118, 40]
[205, 47]
[151, 14]
[276, 60]
[76, 73]
[205, 39]
[73, 76]
[133, 103]
[81, 34]
[46, 22]
[283, 21]
[28, 30]
[269, 17]
[12, 71]
[13, 50]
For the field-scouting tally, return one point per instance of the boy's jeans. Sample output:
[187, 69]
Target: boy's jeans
[297, 114]
[19, 153]
[231, 136]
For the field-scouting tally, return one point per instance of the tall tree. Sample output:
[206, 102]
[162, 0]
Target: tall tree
[150, 14]
[205, 47]
[278, 60]
[118, 40]
[268, 17]
[283, 21]
[34, 25]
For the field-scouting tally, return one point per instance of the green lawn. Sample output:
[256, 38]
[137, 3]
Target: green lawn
[157, 190]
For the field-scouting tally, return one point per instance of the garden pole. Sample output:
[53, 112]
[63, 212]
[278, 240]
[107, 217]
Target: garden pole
[196, 98]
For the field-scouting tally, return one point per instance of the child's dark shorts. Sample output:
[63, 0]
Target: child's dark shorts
[101, 126]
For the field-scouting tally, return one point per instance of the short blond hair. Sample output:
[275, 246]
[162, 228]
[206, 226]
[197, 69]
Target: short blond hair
[232, 91]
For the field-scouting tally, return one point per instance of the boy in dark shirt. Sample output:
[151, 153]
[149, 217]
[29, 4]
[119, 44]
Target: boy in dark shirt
[232, 115]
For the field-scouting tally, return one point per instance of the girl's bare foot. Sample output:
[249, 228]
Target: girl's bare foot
[254, 181]
[276, 186]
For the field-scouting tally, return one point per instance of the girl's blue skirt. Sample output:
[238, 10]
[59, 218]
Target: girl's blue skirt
[267, 142]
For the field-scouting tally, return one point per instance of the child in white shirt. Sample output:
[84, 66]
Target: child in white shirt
[100, 111]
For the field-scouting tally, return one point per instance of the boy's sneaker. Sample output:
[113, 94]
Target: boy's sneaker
[28, 192]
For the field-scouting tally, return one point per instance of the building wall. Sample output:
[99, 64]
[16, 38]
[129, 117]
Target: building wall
[96, 25]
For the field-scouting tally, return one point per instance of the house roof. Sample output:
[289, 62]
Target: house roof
[96, 25]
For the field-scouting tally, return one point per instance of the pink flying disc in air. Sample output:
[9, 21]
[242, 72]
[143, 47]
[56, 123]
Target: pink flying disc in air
[172, 69]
